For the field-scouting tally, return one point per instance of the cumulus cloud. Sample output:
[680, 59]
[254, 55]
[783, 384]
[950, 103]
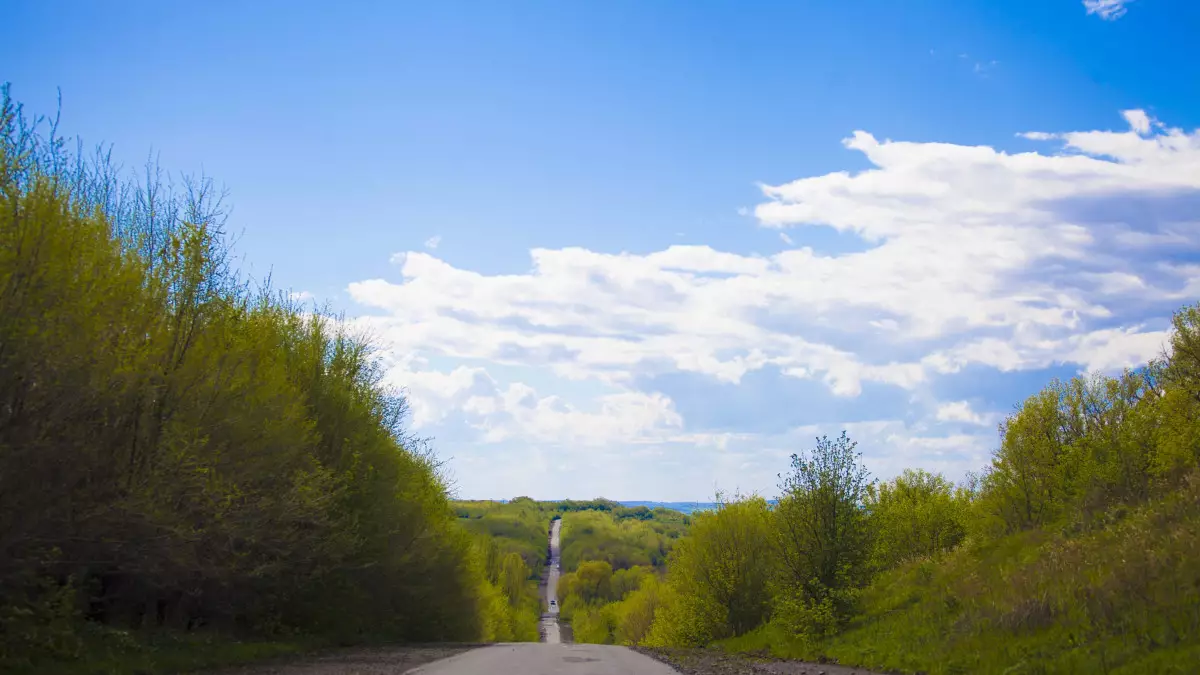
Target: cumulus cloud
[972, 256]
[687, 468]
[516, 410]
[301, 296]
[1109, 10]
[959, 411]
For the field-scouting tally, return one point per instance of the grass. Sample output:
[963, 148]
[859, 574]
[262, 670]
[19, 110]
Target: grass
[1122, 599]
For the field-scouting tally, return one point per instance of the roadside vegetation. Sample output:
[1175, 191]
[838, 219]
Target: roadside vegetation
[614, 558]
[1077, 549]
[610, 553]
[622, 537]
[514, 540]
[194, 470]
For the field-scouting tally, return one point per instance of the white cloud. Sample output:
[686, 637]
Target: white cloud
[432, 242]
[687, 468]
[959, 411]
[301, 296]
[1109, 10]
[517, 410]
[960, 234]
[972, 256]
[1106, 350]
[1138, 120]
[627, 417]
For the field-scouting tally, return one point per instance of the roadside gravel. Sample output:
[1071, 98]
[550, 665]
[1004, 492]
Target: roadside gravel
[358, 661]
[716, 662]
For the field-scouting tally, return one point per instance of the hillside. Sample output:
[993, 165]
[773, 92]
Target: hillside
[1075, 550]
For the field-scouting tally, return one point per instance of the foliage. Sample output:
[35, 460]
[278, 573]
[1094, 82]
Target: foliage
[916, 514]
[607, 607]
[821, 525]
[718, 576]
[510, 597]
[179, 452]
[1076, 550]
[623, 542]
[520, 526]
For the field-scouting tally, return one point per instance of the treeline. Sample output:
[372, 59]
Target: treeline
[181, 452]
[622, 538]
[520, 526]
[1076, 550]
[620, 511]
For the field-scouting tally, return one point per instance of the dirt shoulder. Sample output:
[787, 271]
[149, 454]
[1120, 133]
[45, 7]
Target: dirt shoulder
[356, 661]
[716, 662]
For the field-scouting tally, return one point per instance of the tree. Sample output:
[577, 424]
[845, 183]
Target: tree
[821, 531]
[593, 581]
[718, 575]
[177, 450]
[915, 514]
[515, 574]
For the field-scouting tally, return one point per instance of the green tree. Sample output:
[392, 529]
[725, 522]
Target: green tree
[593, 581]
[913, 515]
[515, 575]
[821, 528]
[718, 576]
[177, 450]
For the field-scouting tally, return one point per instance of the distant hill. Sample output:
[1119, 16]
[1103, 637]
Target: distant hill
[683, 507]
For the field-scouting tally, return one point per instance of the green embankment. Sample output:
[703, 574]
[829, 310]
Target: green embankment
[1076, 550]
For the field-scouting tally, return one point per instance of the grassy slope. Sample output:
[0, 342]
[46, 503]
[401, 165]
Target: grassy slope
[1121, 599]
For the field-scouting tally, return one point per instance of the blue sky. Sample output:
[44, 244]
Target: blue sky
[648, 250]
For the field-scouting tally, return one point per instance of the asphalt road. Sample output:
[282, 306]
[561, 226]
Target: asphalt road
[550, 630]
[525, 658]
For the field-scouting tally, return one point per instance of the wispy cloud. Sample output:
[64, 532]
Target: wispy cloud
[983, 68]
[432, 242]
[1138, 120]
[1109, 10]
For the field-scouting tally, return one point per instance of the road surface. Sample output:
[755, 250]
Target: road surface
[550, 630]
[526, 658]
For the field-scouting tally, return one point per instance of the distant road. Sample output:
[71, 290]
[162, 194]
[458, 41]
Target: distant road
[526, 658]
[551, 633]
